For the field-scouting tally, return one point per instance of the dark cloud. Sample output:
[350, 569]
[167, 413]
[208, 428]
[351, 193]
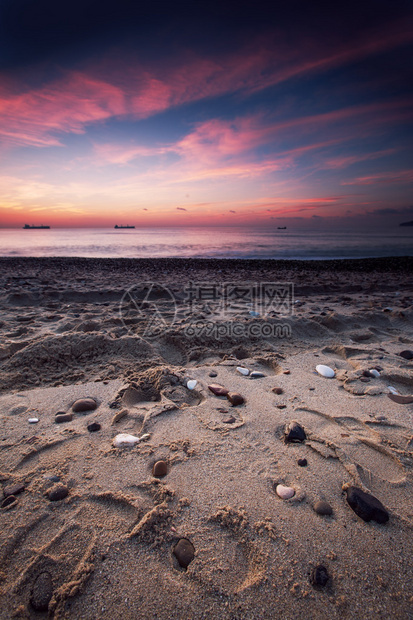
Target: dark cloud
[181, 209]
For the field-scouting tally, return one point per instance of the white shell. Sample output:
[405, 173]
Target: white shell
[243, 371]
[392, 390]
[284, 492]
[33, 420]
[123, 439]
[374, 372]
[325, 371]
[191, 384]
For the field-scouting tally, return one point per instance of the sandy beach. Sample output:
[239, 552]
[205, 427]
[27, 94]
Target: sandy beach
[238, 496]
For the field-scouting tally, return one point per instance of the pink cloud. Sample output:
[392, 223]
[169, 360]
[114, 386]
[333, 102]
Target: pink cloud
[383, 178]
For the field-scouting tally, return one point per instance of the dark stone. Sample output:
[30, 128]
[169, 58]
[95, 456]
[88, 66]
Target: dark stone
[84, 404]
[401, 400]
[218, 390]
[235, 399]
[294, 433]
[366, 506]
[406, 354]
[319, 576]
[57, 493]
[14, 489]
[93, 427]
[213, 373]
[42, 592]
[302, 462]
[160, 469]
[281, 406]
[278, 390]
[53, 478]
[286, 372]
[63, 417]
[229, 420]
[184, 551]
[9, 501]
[364, 379]
[323, 508]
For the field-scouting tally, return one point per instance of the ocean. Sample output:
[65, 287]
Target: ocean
[205, 243]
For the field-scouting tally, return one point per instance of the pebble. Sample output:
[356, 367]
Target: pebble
[218, 390]
[319, 576]
[243, 371]
[374, 373]
[184, 551]
[213, 374]
[235, 399]
[278, 390]
[63, 417]
[323, 508]
[364, 379]
[42, 592]
[392, 389]
[14, 489]
[287, 372]
[160, 469]
[407, 354]
[254, 313]
[294, 432]
[302, 462]
[256, 374]
[53, 478]
[191, 384]
[125, 440]
[229, 420]
[284, 492]
[93, 427]
[84, 404]
[33, 420]
[9, 501]
[401, 400]
[281, 406]
[366, 506]
[58, 492]
[325, 371]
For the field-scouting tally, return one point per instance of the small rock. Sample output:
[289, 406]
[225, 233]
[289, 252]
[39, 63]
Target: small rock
[218, 390]
[364, 379]
[392, 390]
[33, 420]
[160, 469]
[84, 404]
[14, 489]
[93, 427]
[284, 492]
[124, 440]
[42, 592]
[229, 420]
[213, 374]
[374, 373]
[294, 433]
[302, 462]
[57, 493]
[243, 371]
[278, 390]
[281, 406]
[53, 478]
[406, 354]
[366, 506]
[235, 399]
[184, 551]
[323, 508]
[9, 502]
[191, 384]
[254, 314]
[256, 374]
[287, 372]
[63, 417]
[319, 576]
[325, 371]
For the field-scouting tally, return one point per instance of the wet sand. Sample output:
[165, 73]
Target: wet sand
[71, 330]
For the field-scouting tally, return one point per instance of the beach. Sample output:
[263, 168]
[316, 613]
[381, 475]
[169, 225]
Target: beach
[210, 366]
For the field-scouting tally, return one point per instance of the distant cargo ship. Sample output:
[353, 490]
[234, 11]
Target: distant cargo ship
[282, 227]
[28, 227]
[124, 226]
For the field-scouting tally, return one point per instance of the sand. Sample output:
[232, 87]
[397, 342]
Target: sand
[107, 548]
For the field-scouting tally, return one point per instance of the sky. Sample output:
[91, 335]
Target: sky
[206, 114]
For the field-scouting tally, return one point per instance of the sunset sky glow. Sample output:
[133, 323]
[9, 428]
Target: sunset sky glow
[200, 114]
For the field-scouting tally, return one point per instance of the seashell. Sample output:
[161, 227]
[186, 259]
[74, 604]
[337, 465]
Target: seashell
[33, 420]
[257, 374]
[191, 384]
[392, 390]
[325, 371]
[243, 371]
[124, 440]
[284, 492]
